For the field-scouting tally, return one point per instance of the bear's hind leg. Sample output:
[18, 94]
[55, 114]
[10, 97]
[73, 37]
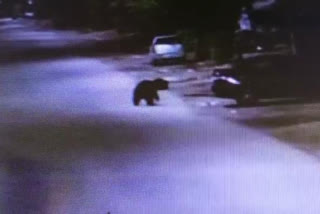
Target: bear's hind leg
[136, 101]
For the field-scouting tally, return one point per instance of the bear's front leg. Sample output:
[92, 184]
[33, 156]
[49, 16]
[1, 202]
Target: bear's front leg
[150, 102]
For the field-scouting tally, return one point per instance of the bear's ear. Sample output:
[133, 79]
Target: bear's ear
[165, 84]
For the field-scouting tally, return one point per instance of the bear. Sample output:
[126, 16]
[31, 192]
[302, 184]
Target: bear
[148, 90]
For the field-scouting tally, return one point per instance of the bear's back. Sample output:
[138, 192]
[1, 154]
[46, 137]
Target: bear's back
[145, 88]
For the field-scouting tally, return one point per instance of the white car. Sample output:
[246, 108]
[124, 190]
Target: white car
[166, 48]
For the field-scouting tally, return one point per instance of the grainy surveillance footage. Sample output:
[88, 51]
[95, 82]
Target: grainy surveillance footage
[159, 106]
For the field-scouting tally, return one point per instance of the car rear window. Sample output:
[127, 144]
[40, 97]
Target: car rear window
[168, 40]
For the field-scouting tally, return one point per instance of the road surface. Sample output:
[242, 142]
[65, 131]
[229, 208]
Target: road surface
[72, 142]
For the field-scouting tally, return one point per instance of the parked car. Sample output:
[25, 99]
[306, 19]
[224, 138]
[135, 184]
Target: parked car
[166, 48]
[268, 77]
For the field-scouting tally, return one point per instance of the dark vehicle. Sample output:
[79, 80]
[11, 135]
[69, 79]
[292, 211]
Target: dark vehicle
[268, 77]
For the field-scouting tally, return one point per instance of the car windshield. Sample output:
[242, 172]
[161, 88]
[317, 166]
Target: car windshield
[167, 40]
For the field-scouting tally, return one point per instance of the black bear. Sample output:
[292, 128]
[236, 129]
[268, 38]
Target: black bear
[148, 90]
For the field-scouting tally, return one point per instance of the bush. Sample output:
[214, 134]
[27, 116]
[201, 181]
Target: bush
[189, 40]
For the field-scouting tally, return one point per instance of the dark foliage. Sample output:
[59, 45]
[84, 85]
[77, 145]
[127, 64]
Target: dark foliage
[208, 21]
[148, 15]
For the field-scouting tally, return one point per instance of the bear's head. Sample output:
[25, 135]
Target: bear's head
[161, 84]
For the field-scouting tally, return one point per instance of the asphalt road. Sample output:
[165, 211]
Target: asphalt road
[72, 142]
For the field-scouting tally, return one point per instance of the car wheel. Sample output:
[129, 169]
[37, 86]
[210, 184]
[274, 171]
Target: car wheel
[246, 99]
[220, 88]
[218, 92]
[155, 62]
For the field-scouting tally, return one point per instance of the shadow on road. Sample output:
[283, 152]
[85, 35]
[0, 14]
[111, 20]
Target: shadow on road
[38, 176]
[26, 186]
[71, 139]
[198, 95]
[68, 139]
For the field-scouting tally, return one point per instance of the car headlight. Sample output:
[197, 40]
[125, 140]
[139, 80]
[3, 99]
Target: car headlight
[231, 80]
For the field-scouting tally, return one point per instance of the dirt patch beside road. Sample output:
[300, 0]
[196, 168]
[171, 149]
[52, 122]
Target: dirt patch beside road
[305, 136]
[296, 124]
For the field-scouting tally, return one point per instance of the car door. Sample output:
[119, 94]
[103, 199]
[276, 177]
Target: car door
[265, 79]
[307, 73]
[284, 82]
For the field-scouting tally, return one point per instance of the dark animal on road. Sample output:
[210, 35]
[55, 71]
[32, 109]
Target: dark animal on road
[148, 90]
